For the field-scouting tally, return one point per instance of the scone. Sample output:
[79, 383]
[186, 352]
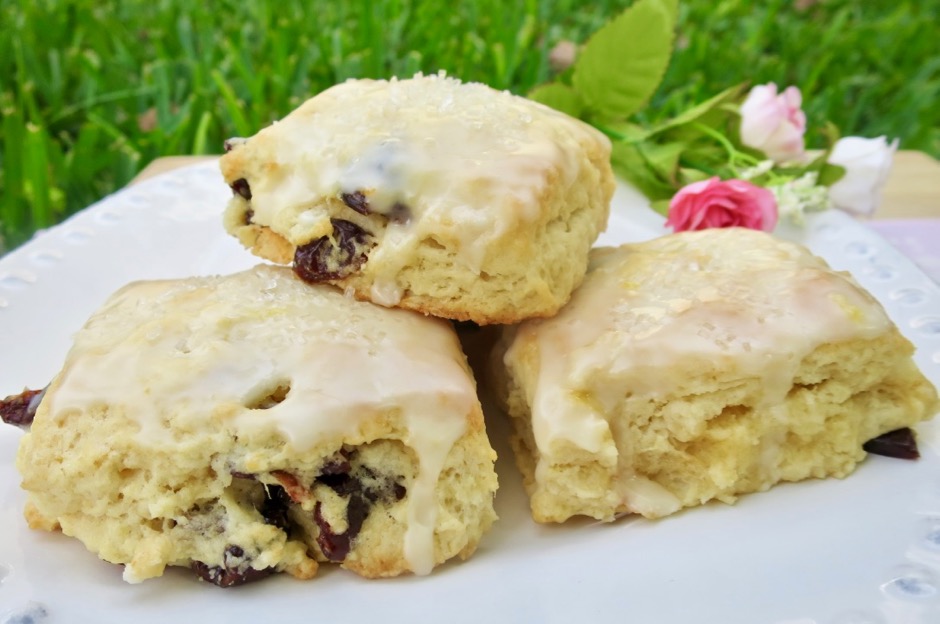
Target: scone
[701, 366]
[251, 424]
[429, 194]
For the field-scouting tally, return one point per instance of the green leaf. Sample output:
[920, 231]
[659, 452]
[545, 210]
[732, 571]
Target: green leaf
[559, 96]
[621, 66]
[628, 161]
[663, 159]
[707, 156]
[700, 110]
[673, 7]
[624, 131]
[661, 206]
[688, 175]
[829, 174]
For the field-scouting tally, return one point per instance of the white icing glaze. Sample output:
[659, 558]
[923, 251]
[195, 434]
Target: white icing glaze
[647, 497]
[207, 347]
[467, 173]
[649, 315]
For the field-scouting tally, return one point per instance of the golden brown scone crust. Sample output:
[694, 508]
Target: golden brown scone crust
[475, 204]
[701, 366]
[253, 423]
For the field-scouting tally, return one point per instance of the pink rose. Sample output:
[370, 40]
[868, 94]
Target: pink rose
[718, 204]
[774, 124]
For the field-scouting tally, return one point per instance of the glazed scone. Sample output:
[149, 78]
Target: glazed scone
[252, 423]
[429, 194]
[701, 366]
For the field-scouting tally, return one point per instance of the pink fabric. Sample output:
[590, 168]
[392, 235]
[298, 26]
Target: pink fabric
[918, 239]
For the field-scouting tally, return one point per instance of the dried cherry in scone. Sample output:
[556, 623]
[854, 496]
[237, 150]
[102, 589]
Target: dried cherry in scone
[19, 409]
[336, 466]
[341, 483]
[275, 507]
[229, 144]
[398, 213]
[241, 187]
[236, 569]
[335, 257]
[899, 443]
[357, 201]
[363, 488]
[295, 490]
[334, 546]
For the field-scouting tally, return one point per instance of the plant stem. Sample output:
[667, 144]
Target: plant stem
[735, 157]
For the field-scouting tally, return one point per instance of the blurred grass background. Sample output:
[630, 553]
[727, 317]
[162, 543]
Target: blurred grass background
[91, 91]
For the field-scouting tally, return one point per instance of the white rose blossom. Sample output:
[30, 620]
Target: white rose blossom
[867, 163]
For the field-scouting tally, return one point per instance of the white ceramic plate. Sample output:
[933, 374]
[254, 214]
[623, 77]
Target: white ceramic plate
[862, 550]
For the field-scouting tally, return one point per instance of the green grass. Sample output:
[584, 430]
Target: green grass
[91, 91]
